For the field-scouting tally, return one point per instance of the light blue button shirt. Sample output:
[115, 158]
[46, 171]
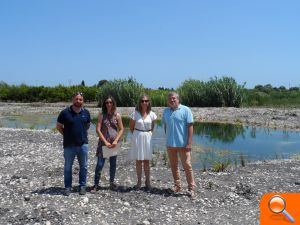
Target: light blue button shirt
[176, 123]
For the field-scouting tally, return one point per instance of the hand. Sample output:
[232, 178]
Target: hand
[107, 144]
[114, 144]
[188, 147]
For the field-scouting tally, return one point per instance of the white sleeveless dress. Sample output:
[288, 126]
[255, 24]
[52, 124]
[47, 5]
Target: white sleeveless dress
[141, 142]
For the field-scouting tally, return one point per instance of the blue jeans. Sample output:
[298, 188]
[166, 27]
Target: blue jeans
[99, 167]
[82, 156]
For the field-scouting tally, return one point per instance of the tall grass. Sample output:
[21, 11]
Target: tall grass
[273, 97]
[158, 97]
[126, 92]
[215, 93]
[193, 93]
[225, 92]
[60, 93]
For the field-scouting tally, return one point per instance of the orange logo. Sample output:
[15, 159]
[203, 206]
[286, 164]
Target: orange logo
[280, 208]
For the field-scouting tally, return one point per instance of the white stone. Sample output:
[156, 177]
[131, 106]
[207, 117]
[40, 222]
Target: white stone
[85, 200]
[126, 203]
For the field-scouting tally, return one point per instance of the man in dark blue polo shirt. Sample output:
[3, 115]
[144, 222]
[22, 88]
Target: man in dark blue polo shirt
[73, 123]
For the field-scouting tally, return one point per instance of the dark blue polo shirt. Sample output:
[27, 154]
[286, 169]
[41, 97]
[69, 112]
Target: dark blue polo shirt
[75, 126]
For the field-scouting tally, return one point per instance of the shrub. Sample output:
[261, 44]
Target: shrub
[221, 161]
[126, 92]
[215, 93]
[158, 97]
[225, 92]
[193, 93]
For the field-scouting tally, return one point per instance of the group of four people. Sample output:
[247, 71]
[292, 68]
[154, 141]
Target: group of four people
[177, 119]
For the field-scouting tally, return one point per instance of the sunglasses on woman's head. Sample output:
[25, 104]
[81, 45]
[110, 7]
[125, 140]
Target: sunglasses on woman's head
[144, 101]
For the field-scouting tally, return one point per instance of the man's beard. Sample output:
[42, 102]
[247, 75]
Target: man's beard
[79, 105]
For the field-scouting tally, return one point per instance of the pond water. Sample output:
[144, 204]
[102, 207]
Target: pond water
[213, 143]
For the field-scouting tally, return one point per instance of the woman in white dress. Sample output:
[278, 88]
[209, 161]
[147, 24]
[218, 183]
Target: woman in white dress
[141, 125]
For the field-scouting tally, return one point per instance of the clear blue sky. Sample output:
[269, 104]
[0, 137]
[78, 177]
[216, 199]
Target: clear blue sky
[158, 42]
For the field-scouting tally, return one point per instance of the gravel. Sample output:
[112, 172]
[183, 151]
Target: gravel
[31, 188]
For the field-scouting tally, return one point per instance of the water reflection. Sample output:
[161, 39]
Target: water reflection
[219, 132]
[40, 121]
[214, 145]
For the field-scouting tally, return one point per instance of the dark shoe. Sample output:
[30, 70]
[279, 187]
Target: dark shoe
[82, 190]
[67, 191]
[148, 188]
[94, 189]
[113, 186]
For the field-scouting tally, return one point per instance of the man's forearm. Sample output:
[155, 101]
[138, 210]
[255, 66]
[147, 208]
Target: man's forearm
[60, 129]
[190, 134]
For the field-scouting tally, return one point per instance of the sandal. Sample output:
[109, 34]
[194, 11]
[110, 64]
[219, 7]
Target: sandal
[176, 189]
[136, 187]
[148, 186]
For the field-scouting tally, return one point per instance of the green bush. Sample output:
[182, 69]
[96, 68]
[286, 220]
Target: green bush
[60, 93]
[126, 92]
[275, 97]
[4, 91]
[158, 97]
[225, 92]
[193, 93]
[215, 93]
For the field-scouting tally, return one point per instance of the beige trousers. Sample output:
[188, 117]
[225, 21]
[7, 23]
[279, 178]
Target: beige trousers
[185, 157]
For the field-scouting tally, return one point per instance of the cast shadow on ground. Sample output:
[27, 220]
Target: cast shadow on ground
[50, 191]
[166, 192]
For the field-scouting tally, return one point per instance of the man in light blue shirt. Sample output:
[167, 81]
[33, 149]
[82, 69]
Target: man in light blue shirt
[178, 124]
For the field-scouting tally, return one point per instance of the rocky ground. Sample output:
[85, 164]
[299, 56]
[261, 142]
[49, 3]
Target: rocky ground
[31, 188]
[31, 178]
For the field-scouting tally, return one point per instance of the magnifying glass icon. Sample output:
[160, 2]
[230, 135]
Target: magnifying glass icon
[277, 205]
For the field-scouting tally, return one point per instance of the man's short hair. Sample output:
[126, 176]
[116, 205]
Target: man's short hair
[173, 93]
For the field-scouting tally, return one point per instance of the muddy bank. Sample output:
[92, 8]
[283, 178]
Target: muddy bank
[288, 119]
[31, 188]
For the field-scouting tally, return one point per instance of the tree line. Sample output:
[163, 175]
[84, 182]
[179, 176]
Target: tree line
[217, 92]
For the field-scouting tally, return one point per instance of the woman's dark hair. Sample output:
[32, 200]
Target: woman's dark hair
[138, 105]
[114, 105]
